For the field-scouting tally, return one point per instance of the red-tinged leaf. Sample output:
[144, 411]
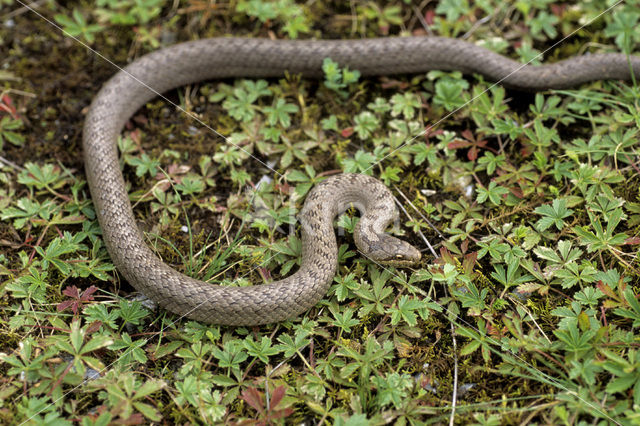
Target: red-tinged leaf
[253, 397]
[458, 143]
[472, 155]
[517, 192]
[77, 298]
[390, 83]
[6, 99]
[94, 326]
[622, 286]
[495, 331]
[447, 256]
[429, 132]
[141, 119]
[264, 273]
[469, 262]
[345, 133]
[87, 295]
[608, 291]
[280, 414]
[283, 188]
[430, 16]
[558, 9]
[134, 419]
[71, 291]
[491, 329]
[419, 32]
[177, 169]
[467, 134]
[632, 240]
[135, 136]
[64, 305]
[6, 104]
[5, 108]
[277, 396]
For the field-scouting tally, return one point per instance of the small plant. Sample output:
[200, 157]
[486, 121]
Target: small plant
[292, 15]
[623, 28]
[493, 193]
[77, 298]
[77, 25]
[553, 215]
[267, 409]
[384, 17]
[8, 127]
[128, 12]
[449, 89]
[128, 396]
[336, 78]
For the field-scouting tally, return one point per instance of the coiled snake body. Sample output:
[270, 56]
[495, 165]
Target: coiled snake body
[191, 62]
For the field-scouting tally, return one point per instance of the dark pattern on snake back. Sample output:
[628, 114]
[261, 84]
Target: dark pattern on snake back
[208, 59]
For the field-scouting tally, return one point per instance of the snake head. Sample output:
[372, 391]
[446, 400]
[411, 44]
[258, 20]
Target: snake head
[393, 251]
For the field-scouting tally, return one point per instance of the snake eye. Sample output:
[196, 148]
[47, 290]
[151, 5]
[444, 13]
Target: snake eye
[399, 256]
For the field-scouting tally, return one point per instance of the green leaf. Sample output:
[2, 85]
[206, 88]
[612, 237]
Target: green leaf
[344, 320]
[97, 343]
[621, 384]
[261, 350]
[280, 112]
[148, 411]
[552, 215]
[452, 9]
[222, 380]
[405, 104]
[365, 124]
[494, 193]
[149, 387]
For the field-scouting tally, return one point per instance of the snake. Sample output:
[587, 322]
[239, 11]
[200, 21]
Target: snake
[229, 57]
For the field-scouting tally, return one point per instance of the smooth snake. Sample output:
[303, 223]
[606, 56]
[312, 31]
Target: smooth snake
[207, 59]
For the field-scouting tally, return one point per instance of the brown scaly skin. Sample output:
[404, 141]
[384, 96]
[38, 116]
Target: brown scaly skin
[191, 62]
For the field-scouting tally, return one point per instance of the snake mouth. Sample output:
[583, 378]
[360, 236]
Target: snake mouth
[409, 257]
[401, 263]
[398, 262]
